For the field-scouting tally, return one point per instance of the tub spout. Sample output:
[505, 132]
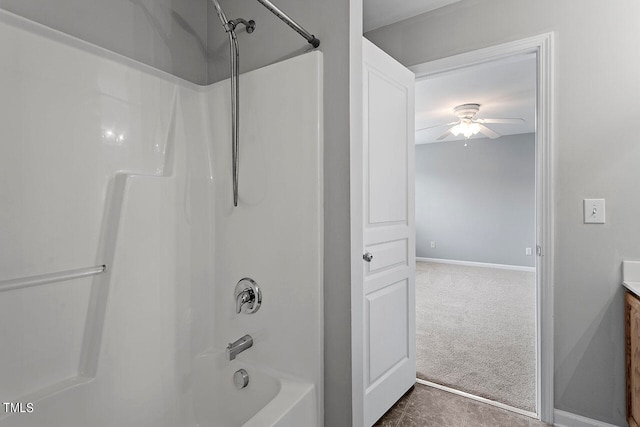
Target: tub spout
[237, 347]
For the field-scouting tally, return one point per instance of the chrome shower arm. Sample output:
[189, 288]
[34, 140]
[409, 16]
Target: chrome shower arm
[290, 22]
[250, 25]
[231, 24]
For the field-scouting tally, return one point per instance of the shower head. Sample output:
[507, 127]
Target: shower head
[222, 16]
[229, 28]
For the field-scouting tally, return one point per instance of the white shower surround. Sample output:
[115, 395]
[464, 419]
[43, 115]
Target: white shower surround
[107, 161]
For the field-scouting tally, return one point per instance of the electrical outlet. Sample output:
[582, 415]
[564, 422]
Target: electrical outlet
[594, 211]
[527, 251]
[433, 244]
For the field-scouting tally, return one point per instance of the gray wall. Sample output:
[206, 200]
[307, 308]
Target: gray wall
[596, 153]
[477, 202]
[166, 34]
[273, 41]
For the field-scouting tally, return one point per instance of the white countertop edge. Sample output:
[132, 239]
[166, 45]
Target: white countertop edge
[631, 271]
[631, 276]
[633, 287]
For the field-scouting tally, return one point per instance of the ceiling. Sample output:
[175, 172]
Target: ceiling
[378, 13]
[504, 89]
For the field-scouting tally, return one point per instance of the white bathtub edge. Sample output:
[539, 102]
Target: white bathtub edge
[293, 406]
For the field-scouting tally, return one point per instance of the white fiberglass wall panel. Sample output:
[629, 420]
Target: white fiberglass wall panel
[41, 332]
[69, 119]
[274, 235]
[93, 170]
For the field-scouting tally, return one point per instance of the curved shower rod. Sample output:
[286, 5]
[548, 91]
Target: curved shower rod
[229, 28]
[290, 22]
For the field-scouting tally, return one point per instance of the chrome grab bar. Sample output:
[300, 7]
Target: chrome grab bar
[43, 279]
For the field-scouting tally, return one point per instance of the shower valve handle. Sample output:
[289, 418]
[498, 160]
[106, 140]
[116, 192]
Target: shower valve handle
[248, 296]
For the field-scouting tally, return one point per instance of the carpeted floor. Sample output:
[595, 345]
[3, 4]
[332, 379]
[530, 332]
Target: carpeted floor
[475, 331]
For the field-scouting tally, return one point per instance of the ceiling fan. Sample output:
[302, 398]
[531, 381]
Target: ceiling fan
[468, 125]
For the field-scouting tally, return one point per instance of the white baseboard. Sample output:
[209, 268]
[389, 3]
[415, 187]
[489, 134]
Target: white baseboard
[567, 419]
[478, 264]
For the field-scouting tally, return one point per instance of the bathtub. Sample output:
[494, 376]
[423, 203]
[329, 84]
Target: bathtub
[270, 398]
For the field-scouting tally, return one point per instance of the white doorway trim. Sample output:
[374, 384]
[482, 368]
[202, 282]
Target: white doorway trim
[542, 46]
[477, 398]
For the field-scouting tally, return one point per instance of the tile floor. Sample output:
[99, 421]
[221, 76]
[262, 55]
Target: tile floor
[424, 406]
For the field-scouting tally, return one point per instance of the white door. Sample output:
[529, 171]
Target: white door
[388, 289]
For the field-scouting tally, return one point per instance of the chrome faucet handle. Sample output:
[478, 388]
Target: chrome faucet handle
[248, 296]
[245, 297]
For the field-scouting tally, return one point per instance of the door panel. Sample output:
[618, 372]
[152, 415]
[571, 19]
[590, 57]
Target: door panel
[389, 329]
[388, 255]
[388, 232]
[387, 156]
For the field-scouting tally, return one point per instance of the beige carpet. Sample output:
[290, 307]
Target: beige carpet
[475, 331]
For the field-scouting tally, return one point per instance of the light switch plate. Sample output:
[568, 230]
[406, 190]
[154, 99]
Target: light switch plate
[594, 211]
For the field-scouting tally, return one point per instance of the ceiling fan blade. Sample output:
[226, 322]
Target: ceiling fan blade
[444, 135]
[505, 121]
[437, 126]
[488, 132]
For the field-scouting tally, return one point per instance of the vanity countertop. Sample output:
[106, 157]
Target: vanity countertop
[633, 287]
[631, 276]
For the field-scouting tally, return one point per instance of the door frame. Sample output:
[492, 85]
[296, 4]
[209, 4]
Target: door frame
[542, 46]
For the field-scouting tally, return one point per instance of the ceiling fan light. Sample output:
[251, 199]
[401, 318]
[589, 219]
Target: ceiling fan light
[468, 129]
